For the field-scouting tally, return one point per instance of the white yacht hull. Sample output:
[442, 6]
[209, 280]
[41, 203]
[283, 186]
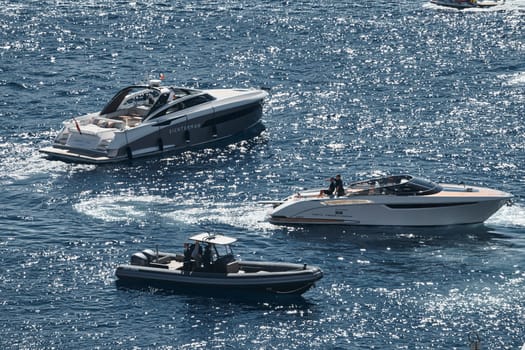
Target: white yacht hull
[454, 205]
[464, 4]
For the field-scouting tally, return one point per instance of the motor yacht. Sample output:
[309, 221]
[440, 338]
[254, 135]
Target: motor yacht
[208, 266]
[463, 4]
[144, 120]
[489, 3]
[399, 200]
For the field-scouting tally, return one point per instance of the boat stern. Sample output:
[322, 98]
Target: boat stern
[87, 140]
[78, 156]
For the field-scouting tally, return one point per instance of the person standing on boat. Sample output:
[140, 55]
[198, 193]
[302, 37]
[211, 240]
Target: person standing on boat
[207, 257]
[196, 254]
[339, 189]
[186, 263]
[330, 190]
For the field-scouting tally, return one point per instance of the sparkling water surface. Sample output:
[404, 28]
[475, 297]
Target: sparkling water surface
[357, 88]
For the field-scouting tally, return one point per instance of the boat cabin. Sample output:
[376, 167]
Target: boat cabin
[216, 253]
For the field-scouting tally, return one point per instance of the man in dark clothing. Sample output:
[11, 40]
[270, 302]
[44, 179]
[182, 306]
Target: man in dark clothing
[339, 189]
[196, 255]
[331, 188]
[187, 258]
[207, 257]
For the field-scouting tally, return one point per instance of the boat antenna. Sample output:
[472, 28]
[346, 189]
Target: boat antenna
[77, 126]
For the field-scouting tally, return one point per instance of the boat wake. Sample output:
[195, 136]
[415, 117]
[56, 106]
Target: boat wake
[514, 5]
[21, 162]
[509, 217]
[515, 79]
[147, 209]
[245, 216]
[125, 208]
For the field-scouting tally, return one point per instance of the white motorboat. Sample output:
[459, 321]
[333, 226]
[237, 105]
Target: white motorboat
[214, 270]
[463, 4]
[489, 3]
[400, 200]
[144, 120]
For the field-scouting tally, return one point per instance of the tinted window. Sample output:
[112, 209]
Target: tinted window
[194, 101]
[175, 108]
[197, 100]
[172, 109]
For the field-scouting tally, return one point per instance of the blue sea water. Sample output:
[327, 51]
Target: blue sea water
[357, 87]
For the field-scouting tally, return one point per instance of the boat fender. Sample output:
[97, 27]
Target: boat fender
[150, 254]
[161, 145]
[304, 267]
[129, 153]
[139, 259]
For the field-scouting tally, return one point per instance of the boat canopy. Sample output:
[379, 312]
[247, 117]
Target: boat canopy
[124, 97]
[153, 98]
[206, 237]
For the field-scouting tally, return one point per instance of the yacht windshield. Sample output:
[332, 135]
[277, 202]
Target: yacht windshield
[418, 187]
[167, 105]
[398, 185]
[132, 96]
[150, 98]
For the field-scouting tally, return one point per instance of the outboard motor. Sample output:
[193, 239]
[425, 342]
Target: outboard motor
[150, 254]
[139, 259]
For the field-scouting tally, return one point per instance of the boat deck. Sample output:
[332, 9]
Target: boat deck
[175, 265]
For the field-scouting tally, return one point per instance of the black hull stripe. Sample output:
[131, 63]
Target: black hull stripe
[254, 108]
[430, 205]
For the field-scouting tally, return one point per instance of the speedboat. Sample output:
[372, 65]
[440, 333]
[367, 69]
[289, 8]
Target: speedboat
[458, 4]
[149, 119]
[214, 269]
[399, 200]
[462, 4]
[489, 3]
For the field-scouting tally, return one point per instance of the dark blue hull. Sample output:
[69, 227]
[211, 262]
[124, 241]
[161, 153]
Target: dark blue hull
[252, 278]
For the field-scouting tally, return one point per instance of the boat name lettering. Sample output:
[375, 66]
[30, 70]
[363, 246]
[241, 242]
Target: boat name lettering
[184, 128]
